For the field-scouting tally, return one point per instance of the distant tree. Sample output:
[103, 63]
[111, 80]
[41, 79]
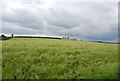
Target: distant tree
[67, 37]
[12, 35]
[3, 36]
[100, 41]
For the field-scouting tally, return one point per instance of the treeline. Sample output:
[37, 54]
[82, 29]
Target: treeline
[34, 37]
[3, 37]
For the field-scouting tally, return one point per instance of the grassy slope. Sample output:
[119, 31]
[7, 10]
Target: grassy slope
[36, 58]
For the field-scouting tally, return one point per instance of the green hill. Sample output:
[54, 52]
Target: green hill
[41, 58]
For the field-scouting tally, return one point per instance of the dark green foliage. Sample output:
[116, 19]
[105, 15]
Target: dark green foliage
[100, 41]
[3, 37]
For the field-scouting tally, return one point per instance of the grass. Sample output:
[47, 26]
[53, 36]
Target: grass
[40, 58]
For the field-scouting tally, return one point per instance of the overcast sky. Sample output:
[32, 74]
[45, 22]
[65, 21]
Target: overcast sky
[81, 19]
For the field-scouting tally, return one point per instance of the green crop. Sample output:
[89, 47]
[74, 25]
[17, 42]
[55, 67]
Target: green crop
[41, 58]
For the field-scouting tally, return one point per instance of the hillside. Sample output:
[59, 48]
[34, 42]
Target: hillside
[41, 58]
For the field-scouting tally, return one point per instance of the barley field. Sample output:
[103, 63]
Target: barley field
[41, 58]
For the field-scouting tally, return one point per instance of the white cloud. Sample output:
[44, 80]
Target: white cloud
[91, 19]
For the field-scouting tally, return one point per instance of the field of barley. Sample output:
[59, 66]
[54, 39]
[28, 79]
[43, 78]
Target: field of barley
[41, 58]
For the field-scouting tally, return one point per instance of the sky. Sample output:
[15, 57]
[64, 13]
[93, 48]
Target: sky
[89, 20]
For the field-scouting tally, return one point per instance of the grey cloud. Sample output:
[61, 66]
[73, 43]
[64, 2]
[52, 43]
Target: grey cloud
[89, 20]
